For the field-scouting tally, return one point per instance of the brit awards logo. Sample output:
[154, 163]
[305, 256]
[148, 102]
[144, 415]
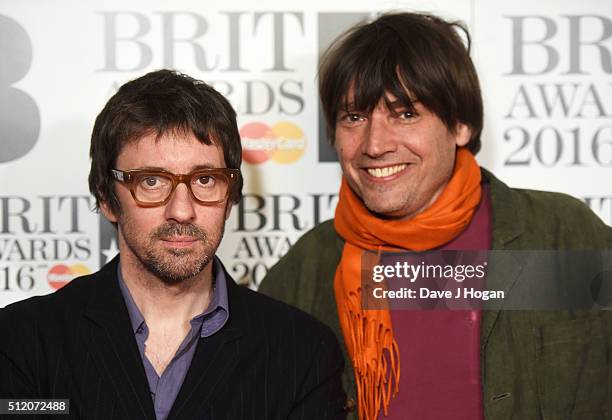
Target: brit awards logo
[19, 115]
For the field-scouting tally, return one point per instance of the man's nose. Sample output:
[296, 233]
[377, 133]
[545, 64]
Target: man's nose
[181, 207]
[378, 137]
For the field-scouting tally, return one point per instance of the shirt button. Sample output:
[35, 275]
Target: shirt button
[350, 405]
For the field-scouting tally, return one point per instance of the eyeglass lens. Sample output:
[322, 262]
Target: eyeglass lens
[155, 188]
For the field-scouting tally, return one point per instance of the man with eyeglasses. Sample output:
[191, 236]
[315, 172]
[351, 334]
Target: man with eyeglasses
[162, 331]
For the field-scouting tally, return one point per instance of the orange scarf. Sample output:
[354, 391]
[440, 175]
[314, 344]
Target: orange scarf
[368, 334]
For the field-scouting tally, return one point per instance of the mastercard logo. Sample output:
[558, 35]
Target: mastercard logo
[59, 275]
[284, 142]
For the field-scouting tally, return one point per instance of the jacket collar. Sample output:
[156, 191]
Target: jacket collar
[507, 226]
[112, 345]
[503, 269]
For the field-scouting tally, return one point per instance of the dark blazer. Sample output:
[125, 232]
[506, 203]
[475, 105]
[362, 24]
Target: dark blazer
[270, 361]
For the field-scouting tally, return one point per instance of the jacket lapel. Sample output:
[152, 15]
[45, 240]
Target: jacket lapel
[112, 345]
[215, 359]
[504, 269]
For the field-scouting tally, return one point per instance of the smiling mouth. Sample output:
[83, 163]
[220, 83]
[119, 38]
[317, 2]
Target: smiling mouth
[386, 171]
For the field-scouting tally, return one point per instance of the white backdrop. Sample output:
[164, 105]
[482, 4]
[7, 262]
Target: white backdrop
[545, 70]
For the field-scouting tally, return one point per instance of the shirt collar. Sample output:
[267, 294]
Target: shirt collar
[212, 319]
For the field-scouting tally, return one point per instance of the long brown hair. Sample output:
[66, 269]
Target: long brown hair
[412, 56]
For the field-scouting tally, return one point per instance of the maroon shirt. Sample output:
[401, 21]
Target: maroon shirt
[440, 349]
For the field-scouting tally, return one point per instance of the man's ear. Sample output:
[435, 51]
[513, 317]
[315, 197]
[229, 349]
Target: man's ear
[107, 212]
[463, 134]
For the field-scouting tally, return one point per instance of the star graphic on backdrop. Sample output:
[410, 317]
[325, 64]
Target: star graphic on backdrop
[111, 252]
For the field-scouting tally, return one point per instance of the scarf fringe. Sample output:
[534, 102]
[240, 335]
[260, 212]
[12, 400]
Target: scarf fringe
[376, 376]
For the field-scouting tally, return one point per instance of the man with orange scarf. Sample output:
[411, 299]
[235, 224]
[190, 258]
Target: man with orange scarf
[404, 112]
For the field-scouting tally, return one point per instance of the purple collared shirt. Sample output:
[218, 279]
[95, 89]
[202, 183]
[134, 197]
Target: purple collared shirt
[165, 388]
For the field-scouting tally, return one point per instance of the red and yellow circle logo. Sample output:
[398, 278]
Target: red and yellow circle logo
[284, 142]
[60, 275]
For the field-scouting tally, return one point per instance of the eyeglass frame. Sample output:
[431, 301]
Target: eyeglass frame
[129, 176]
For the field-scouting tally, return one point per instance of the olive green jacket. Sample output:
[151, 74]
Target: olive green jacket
[535, 364]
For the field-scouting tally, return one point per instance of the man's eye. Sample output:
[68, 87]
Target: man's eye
[351, 118]
[406, 115]
[205, 181]
[153, 182]
[150, 181]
